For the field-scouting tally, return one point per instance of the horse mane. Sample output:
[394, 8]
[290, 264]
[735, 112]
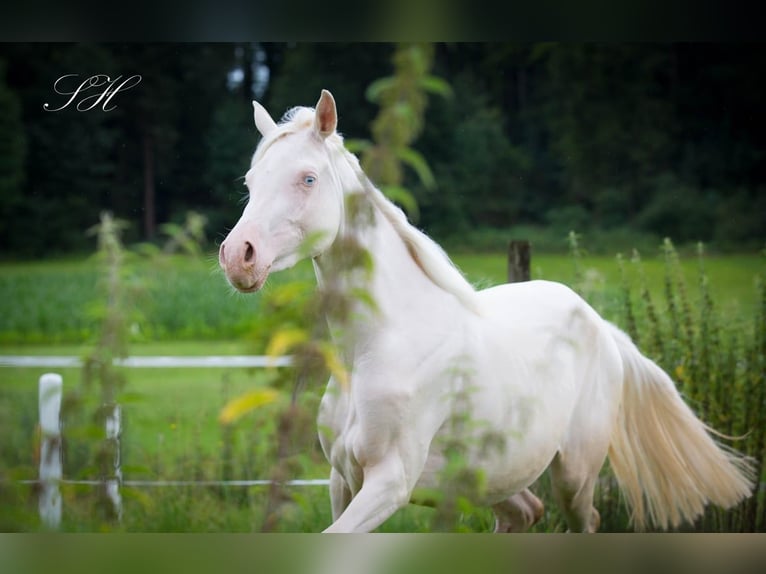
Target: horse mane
[425, 252]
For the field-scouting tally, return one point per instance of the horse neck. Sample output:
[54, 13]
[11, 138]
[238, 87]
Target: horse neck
[401, 291]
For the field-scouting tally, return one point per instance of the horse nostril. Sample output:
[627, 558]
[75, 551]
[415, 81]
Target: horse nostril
[221, 255]
[249, 252]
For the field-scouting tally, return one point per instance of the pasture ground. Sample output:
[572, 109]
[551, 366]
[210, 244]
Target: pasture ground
[171, 431]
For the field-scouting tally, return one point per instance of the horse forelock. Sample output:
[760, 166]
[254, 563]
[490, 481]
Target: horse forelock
[293, 121]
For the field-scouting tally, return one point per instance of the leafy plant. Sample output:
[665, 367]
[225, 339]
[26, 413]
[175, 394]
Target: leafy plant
[717, 365]
[402, 98]
[102, 381]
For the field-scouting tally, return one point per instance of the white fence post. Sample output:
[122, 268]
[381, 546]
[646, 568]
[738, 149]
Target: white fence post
[50, 449]
[113, 431]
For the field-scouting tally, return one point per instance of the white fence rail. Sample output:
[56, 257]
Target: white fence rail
[50, 393]
[211, 362]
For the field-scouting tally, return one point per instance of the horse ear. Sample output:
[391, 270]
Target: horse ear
[326, 119]
[263, 120]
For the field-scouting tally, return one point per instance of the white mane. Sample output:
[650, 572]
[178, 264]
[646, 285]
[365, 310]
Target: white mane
[426, 253]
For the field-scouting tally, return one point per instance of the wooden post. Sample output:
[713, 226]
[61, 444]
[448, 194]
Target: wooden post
[49, 402]
[518, 261]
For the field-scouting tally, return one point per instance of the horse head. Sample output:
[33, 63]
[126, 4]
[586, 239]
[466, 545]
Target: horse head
[294, 210]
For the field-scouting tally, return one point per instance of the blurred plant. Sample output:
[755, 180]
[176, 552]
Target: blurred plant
[308, 323]
[188, 238]
[589, 283]
[312, 326]
[627, 304]
[116, 314]
[112, 339]
[402, 98]
[576, 252]
[653, 341]
[461, 485]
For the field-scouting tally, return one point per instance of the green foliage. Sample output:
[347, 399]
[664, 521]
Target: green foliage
[717, 363]
[598, 97]
[402, 99]
[680, 210]
[87, 410]
[739, 217]
[188, 238]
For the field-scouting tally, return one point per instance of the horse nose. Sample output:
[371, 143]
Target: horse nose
[247, 254]
[222, 256]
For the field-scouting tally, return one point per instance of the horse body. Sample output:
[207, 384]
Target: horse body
[521, 370]
[528, 375]
[536, 377]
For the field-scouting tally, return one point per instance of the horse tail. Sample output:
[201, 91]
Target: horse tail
[666, 461]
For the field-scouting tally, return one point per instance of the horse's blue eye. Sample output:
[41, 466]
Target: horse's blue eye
[309, 180]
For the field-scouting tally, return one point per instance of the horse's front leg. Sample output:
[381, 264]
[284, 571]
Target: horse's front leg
[333, 412]
[390, 446]
[340, 494]
[384, 491]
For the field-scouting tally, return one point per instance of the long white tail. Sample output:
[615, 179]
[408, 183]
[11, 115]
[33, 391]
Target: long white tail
[665, 459]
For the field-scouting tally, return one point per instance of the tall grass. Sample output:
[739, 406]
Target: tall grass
[718, 365]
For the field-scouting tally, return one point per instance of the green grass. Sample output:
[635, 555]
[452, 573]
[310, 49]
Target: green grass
[184, 307]
[183, 299]
[732, 277]
[176, 298]
[170, 432]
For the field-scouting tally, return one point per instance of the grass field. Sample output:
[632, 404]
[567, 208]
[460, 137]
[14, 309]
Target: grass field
[182, 299]
[183, 307]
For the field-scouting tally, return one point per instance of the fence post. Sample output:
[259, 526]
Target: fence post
[113, 427]
[49, 402]
[518, 261]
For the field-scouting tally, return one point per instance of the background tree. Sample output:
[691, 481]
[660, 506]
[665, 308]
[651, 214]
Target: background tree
[13, 149]
[657, 139]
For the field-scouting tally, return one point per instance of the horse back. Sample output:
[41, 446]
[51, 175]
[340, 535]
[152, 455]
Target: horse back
[544, 363]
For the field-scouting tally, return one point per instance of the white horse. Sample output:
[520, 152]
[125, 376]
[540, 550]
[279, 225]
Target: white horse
[532, 365]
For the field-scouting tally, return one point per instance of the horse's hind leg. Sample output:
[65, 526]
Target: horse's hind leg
[574, 480]
[518, 513]
[575, 468]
